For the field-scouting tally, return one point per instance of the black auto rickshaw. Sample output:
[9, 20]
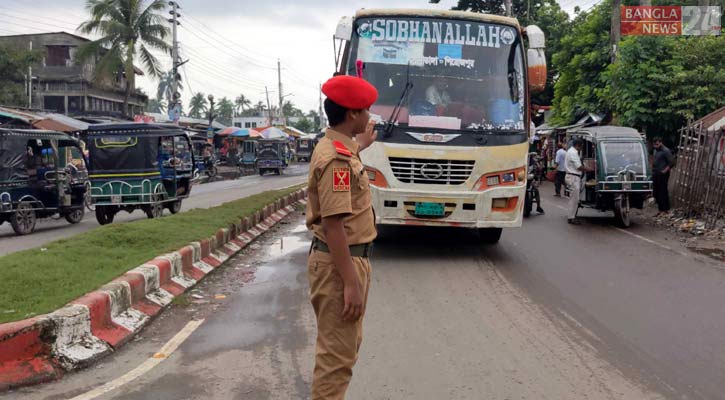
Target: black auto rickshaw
[272, 155]
[42, 174]
[305, 146]
[138, 166]
[621, 177]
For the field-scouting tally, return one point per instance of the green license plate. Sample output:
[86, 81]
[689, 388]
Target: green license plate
[430, 209]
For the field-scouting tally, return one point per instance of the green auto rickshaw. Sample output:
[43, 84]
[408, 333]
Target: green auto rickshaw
[621, 177]
[138, 166]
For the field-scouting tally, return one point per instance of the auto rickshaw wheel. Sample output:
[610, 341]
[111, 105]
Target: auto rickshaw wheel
[490, 235]
[104, 216]
[88, 199]
[76, 215]
[24, 219]
[621, 210]
[174, 206]
[155, 210]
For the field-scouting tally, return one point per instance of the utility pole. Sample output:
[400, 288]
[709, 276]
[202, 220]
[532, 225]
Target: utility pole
[210, 129]
[616, 28]
[175, 95]
[281, 97]
[269, 110]
[30, 79]
[321, 112]
[509, 7]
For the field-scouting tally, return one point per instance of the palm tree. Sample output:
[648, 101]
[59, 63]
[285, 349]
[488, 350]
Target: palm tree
[240, 102]
[128, 29]
[156, 106]
[225, 110]
[198, 106]
[260, 107]
[166, 83]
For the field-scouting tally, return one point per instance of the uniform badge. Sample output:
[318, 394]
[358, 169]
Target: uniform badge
[341, 179]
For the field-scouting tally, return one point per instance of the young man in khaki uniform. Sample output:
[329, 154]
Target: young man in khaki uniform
[340, 214]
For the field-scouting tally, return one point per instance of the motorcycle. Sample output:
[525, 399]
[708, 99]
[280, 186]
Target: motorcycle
[533, 180]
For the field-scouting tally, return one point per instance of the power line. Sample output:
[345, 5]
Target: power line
[224, 38]
[230, 73]
[33, 21]
[194, 32]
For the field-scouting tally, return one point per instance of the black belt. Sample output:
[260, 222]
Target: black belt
[356, 250]
[577, 175]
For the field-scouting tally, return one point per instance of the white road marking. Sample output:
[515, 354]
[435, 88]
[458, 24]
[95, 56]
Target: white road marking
[147, 365]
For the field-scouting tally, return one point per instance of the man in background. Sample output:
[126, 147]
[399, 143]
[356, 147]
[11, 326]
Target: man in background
[560, 162]
[661, 167]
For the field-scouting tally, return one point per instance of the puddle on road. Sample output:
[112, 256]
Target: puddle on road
[271, 258]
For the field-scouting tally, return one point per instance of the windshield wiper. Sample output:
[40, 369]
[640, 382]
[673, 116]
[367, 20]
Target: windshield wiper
[512, 73]
[396, 111]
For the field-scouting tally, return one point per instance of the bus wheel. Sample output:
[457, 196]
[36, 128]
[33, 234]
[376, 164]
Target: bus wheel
[490, 235]
[24, 219]
[528, 204]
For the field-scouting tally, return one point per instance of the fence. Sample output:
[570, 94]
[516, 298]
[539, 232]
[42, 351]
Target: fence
[700, 174]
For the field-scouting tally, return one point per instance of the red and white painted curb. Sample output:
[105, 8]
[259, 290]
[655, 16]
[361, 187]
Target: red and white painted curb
[44, 347]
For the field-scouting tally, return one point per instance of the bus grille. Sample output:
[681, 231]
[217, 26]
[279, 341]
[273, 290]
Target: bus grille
[432, 172]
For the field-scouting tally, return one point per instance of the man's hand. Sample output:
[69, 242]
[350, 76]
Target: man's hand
[354, 307]
[368, 137]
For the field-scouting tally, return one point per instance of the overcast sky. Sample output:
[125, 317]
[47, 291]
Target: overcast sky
[233, 45]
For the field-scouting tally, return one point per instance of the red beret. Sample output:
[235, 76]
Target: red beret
[350, 92]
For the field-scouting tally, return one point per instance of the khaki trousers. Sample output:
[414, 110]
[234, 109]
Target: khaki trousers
[338, 341]
[574, 183]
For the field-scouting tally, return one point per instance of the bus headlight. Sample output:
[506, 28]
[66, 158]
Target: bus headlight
[502, 178]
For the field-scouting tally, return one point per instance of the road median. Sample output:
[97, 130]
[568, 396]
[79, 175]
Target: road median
[100, 299]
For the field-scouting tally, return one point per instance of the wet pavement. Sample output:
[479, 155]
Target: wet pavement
[202, 196]
[553, 311]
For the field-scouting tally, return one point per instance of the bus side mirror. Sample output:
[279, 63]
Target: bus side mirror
[344, 29]
[536, 60]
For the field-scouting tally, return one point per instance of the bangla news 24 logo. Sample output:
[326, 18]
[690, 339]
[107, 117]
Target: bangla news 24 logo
[671, 20]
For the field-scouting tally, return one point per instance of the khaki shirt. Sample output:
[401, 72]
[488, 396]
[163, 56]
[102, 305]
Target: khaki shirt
[339, 185]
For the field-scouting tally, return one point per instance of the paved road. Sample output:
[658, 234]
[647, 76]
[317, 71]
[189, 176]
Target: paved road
[552, 312]
[202, 196]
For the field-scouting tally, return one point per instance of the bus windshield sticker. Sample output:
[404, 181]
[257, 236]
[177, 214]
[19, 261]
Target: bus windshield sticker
[437, 32]
[454, 51]
[395, 53]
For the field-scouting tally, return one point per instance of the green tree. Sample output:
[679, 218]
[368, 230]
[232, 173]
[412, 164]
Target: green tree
[156, 106]
[240, 103]
[127, 30]
[225, 111]
[305, 125]
[198, 106]
[14, 64]
[582, 58]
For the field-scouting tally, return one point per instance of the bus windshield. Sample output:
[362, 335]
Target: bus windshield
[459, 75]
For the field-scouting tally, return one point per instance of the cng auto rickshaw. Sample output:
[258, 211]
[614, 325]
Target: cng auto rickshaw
[272, 155]
[305, 145]
[248, 159]
[204, 160]
[621, 177]
[42, 174]
[138, 166]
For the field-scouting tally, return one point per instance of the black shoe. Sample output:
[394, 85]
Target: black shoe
[540, 210]
[574, 221]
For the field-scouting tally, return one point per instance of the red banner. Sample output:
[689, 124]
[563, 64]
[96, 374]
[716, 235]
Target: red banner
[651, 20]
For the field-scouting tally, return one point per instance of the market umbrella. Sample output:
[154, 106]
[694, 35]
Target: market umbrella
[274, 133]
[244, 133]
[229, 131]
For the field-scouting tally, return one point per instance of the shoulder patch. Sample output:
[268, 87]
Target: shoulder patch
[341, 179]
[341, 149]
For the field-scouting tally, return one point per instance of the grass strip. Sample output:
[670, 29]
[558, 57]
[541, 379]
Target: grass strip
[41, 280]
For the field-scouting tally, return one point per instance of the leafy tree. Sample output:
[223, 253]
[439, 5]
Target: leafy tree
[315, 118]
[582, 58]
[241, 102]
[289, 110]
[198, 106]
[657, 84]
[127, 30]
[14, 63]
[305, 125]
[156, 106]
[225, 111]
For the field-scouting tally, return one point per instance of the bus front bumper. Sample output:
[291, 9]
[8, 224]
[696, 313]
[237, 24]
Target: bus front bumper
[499, 207]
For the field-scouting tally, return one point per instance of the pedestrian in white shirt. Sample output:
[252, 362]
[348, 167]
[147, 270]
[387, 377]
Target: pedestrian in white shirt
[560, 169]
[574, 174]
